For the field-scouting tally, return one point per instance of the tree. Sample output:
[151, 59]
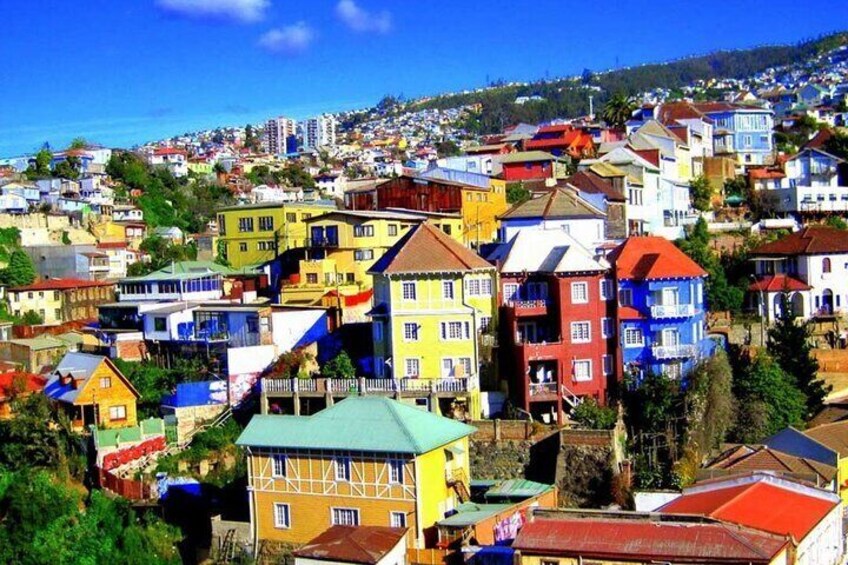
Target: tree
[837, 222]
[20, 271]
[700, 192]
[339, 367]
[710, 412]
[618, 110]
[68, 168]
[78, 143]
[789, 345]
[31, 318]
[736, 186]
[594, 416]
[516, 193]
[448, 148]
[40, 168]
[838, 145]
[720, 294]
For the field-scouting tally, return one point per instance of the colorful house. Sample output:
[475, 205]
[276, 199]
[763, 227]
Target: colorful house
[256, 233]
[532, 165]
[835, 437]
[308, 473]
[562, 139]
[92, 390]
[61, 300]
[557, 323]
[661, 308]
[433, 298]
[740, 130]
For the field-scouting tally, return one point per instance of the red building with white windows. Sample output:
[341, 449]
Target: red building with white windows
[557, 322]
[531, 165]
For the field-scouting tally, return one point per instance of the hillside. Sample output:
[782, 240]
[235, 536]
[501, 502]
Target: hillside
[570, 97]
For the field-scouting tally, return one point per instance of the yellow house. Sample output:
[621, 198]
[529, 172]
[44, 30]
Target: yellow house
[255, 233]
[366, 460]
[835, 437]
[480, 211]
[92, 390]
[432, 298]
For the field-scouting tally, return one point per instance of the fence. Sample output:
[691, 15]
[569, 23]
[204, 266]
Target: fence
[127, 488]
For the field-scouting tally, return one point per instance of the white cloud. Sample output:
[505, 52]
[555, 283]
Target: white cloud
[361, 20]
[244, 11]
[289, 39]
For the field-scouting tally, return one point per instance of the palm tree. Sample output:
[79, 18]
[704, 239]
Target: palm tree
[618, 109]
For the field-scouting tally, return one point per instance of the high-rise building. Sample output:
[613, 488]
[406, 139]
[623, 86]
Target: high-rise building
[320, 131]
[279, 137]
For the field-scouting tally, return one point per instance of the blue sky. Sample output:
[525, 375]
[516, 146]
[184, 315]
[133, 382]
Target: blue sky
[122, 72]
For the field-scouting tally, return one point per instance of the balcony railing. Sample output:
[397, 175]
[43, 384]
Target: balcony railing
[362, 386]
[534, 307]
[321, 242]
[674, 351]
[672, 310]
[540, 389]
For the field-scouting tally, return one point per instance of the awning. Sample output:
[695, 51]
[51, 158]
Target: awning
[455, 449]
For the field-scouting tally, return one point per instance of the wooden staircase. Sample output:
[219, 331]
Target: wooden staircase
[459, 482]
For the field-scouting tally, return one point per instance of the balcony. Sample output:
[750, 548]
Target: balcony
[406, 386]
[679, 351]
[322, 242]
[660, 311]
[540, 351]
[543, 389]
[525, 308]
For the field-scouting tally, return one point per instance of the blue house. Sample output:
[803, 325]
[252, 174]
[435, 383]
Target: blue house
[661, 312]
[740, 130]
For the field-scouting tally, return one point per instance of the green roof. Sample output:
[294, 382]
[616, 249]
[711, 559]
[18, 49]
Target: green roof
[116, 436]
[530, 157]
[38, 343]
[470, 513]
[190, 269]
[517, 488]
[358, 423]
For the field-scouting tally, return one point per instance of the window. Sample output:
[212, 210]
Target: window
[282, 515]
[398, 520]
[826, 265]
[465, 363]
[278, 463]
[378, 331]
[393, 230]
[474, 287]
[159, 324]
[350, 278]
[363, 254]
[266, 223]
[57, 313]
[291, 217]
[412, 367]
[625, 297]
[306, 216]
[447, 290]
[447, 368]
[363, 231]
[607, 328]
[378, 367]
[55, 295]
[452, 331]
[410, 331]
[245, 225]
[485, 323]
[485, 287]
[633, 337]
[311, 278]
[243, 246]
[265, 245]
[117, 412]
[105, 382]
[408, 291]
[510, 291]
[583, 370]
[222, 225]
[579, 293]
[29, 295]
[673, 370]
[606, 290]
[581, 332]
[345, 516]
[607, 364]
[342, 465]
[446, 228]
[396, 472]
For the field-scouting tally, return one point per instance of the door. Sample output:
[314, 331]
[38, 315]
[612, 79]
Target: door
[669, 296]
[333, 236]
[670, 337]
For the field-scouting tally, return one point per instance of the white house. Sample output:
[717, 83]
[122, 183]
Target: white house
[175, 160]
[810, 185]
[127, 213]
[809, 267]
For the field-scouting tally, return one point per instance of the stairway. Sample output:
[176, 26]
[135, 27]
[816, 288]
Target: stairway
[227, 548]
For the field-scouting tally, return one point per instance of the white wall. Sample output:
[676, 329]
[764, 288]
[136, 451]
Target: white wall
[289, 326]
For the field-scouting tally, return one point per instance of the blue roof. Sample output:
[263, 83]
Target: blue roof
[80, 366]
[795, 443]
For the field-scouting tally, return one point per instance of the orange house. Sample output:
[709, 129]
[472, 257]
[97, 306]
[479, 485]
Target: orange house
[93, 391]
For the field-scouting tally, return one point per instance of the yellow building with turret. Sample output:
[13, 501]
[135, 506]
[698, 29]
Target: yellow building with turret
[255, 233]
[308, 473]
[433, 298]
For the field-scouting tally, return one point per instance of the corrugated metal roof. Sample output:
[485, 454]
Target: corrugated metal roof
[352, 544]
[469, 513]
[517, 488]
[366, 423]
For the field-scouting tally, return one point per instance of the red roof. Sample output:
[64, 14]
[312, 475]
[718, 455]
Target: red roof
[819, 140]
[112, 245]
[31, 382]
[759, 174]
[426, 249]
[168, 151]
[672, 111]
[640, 537]
[61, 284]
[630, 313]
[650, 258]
[808, 241]
[778, 283]
[650, 155]
[555, 128]
[761, 502]
[352, 544]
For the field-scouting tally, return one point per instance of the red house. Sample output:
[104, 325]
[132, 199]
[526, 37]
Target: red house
[562, 139]
[557, 322]
[411, 193]
[529, 165]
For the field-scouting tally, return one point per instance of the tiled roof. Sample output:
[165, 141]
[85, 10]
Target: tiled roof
[352, 544]
[558, 203]
[670, 112]
[760, 501]
[60, 284]
[762, 458]
[808, 241]
[760, 174]
[358, 423]
[778, 283]
[427, 249]
[834, 435]
[650, 258]
[591, 182]
[647, 539]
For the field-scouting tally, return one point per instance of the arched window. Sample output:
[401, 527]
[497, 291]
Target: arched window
[826, 265]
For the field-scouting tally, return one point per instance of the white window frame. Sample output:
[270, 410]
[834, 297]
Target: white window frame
[607, 327]
[282, 524]
[446, 333]
[118, 409]
[633, 331]
[578, 288]
[342, 468]
[486, 287]
[338, 520]
[448, 290]
[278, 465]
[583, 363]
[447, 365]
[473, 287]
[105, 382]
[413, 335]
[406, 362]
[397, 519]
[408, 285]
[511, 292]
[577, 332]
[396, 471]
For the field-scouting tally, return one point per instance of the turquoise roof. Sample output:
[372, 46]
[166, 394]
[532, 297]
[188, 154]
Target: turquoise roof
[190, 270]
[358, 423]
[517, 488]
[469, 513]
